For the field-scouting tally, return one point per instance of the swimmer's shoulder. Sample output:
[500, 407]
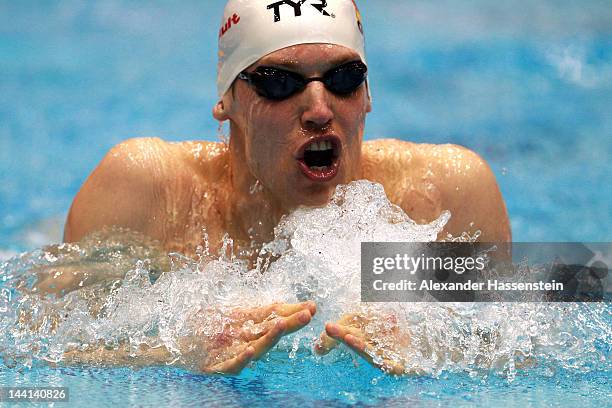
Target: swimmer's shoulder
[387, 153]
[448, 165]
[400, 167]
[392, 162]
[442, 177]
[469, 189]
[123, 190]
[138, 181]
[209, 160]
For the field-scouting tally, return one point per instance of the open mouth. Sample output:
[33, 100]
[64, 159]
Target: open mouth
[319, 158]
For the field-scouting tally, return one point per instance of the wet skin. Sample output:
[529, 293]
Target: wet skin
[170, 191]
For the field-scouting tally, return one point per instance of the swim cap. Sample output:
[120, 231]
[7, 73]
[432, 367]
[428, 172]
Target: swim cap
[252, 29]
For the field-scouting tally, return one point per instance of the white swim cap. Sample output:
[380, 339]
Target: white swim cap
[252, 29]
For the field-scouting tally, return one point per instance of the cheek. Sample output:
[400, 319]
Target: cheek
[259, 156]
[268, 148]
[256, 149]
[353, 124]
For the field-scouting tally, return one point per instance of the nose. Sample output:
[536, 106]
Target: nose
[316, 109]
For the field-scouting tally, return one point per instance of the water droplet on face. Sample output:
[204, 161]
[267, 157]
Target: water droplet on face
[257, 187]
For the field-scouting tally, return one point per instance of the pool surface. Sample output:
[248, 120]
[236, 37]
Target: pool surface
[527, 85]
[302, 384]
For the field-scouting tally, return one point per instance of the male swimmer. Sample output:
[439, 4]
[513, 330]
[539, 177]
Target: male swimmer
[292, 82]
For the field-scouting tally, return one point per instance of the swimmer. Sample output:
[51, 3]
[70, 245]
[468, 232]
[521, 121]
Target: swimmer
[296, 99]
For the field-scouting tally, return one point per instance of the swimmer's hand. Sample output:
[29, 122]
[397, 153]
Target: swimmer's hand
[377, 339]
[252, 334]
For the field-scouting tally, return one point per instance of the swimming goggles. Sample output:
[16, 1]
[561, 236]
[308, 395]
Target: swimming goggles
[278, 84]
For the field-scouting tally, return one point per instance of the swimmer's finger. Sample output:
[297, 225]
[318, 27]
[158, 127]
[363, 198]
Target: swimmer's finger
[234, 365]
[339, 331]
[269, 340]
[292, 323]
[296, 321]
[355, 339]
[325, 344]
[281, 309]
[368, 353]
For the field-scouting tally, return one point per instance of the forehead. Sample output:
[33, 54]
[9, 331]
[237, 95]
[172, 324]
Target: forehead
[309, 57]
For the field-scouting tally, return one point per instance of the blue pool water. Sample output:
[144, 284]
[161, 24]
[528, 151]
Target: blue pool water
[307, 384]
[527, 85]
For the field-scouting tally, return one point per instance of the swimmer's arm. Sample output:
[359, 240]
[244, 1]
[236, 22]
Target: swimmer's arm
[122, 191]
[144, 356]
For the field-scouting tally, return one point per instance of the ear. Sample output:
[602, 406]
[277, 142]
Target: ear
[219, 111]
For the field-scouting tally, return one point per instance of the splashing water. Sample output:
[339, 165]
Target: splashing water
[116, 290]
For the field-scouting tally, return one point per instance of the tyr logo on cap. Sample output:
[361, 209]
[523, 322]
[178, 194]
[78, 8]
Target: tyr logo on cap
[297, 7]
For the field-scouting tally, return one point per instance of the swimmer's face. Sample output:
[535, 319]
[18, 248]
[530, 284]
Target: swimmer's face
[276, 137]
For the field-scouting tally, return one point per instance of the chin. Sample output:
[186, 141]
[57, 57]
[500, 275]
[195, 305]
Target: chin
[314, 196]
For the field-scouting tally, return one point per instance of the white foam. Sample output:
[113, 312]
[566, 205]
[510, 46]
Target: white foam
[317, 252]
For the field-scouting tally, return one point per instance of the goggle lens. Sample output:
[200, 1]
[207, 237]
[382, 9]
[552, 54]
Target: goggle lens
[278, 84]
